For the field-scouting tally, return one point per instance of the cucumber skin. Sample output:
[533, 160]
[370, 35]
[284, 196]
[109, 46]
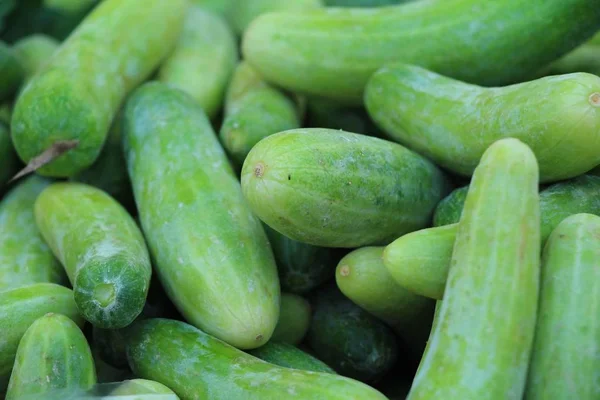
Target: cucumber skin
[173, 189]
[585, 58]
[203, 59]
[289, 356]
[553, 115]
[25, 257]
[196, 365]
[311, 52]
[328, 114]
[339, 189]
[568, 328]
[493, 282]
[33, 52]
[53, 354]
[8, 157]
[141, 386]
[294, 319]
[20, 307]
[247, 11]
[11, 71]
[97, 242]
[106, 53]
[449, 209]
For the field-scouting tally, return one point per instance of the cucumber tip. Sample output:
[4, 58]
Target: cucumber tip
[344, 270]
[259, 170]
[595, 99]
[104, 293]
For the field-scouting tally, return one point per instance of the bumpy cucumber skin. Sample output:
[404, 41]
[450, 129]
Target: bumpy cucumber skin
[196, 365]
[247, 11]
[481, 344]
[8, 157]
[53, 354]
[76, 95]
[222, 277]
[334, 51]
[349, 339]
[25, 257]
[33, 52]
[203, 59]
[557, 116]
[449, 209]
[141, 386]
[294, 319]
[289, 356]
[11, 71]
[99, 245]
[339, 189]
[564, 363]
[20, 307]
[253, 110]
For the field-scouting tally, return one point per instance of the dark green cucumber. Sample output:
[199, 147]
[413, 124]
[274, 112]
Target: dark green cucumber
[33, 52]
[340, 189]
[101, 248]
[8, 157]
[449, 209]
[67, 15]
[11, 71]
[289, 356]
[294, 319]
[53, 354]
[141, 386]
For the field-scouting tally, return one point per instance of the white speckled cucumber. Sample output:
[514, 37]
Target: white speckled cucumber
[294, 319]
[247, 11]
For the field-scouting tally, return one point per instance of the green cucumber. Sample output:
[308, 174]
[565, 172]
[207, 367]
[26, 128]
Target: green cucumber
[253, 110]
[449, 209]
[141, 386]
[67, 15]
[557, 116]
[222, 7]
[53, 354]
[211, 253]
[34, 52]
[564, 364]
[595, 40]
[349, 339]
[5, 115]
[294, 319]
[11, 71]
[481, 344]
[289, 356]
[327, 114]
[362, 3]
[77, 93]
[107, 373]
[585, 58]
[8, 157]
[20, 307]
[203, 60]
[247, 11]
[101, 248]
[196, 365]
[339, 189]
[333, 52]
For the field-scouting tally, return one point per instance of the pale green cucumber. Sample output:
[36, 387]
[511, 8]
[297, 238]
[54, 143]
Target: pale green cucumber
[141, 386]
[8, 157]
[247, 11]
[34, 52]
[294, 319]
[211, 253]
[289, 356]
[448, 210]
[481, 345]
[222, 7]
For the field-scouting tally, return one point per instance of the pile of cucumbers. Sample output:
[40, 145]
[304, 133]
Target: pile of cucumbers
[308, 199]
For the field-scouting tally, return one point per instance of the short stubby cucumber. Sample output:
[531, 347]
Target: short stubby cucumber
[101, 248]
[334, 51]
[75, 96]
[141, 386]
[247, 11]
[25, 258]
[8, 157]
[210, 252]
[33, 52]
[253, 110]
[339, 189]
[289, 356]
[196, 366]
[448, 210]
[565, 363]
[481, 344]
[11, 71]
[557, 116]
[53, 354]
[294, 319]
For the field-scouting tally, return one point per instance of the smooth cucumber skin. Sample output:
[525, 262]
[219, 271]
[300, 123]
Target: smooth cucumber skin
[222, 7]
[141, 386]
[211, 253]
[557, 116]
[253, 110]
[197, 366]
[289, 356]
[33, 52]
[585, 58]
[339, 189]
[20, 307]
[247, 11]
[53, 354]
[25, 257]
[101, 248]
[203, 59]
[565, 363]
[78, 92]
[8, 157]
[333, 52]
[481, 345]
[11, 71]
[294, 319]
[449, 209]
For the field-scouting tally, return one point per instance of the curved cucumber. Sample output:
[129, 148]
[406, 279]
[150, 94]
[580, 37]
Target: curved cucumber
[197, 365]
[203, 59]
[211, 253]
[294, 319]
[339, 189]
[101, 249]
[8, 157]
[556, 116]
[449, 209]
[77, 93]
[11, 71]
[53, 354]
[247, 11]
[482, 341]
[141, 386]
[289, 356]
[33, 52]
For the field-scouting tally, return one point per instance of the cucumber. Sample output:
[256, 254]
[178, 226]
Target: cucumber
[11, 71]
[333, 52]
[8, 157]
[557, 116]
[289, 356]
[568, 327]
[253, 110]
[449, 209]
[101, 249]
[222, 7]
[67, 14]
[25, 258]
[196, 365]
[20, 307]
[211, 253]
[141, 386]
[339, 189]
[585, 58]
[481, 344]
[247, 11]
[53, 354]
[75, 96]
[362, 3]
[349, 339]
[294, 319]
[203, 60]
[327, 114]
[5, 115]
[33, 53]
[107, 373]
